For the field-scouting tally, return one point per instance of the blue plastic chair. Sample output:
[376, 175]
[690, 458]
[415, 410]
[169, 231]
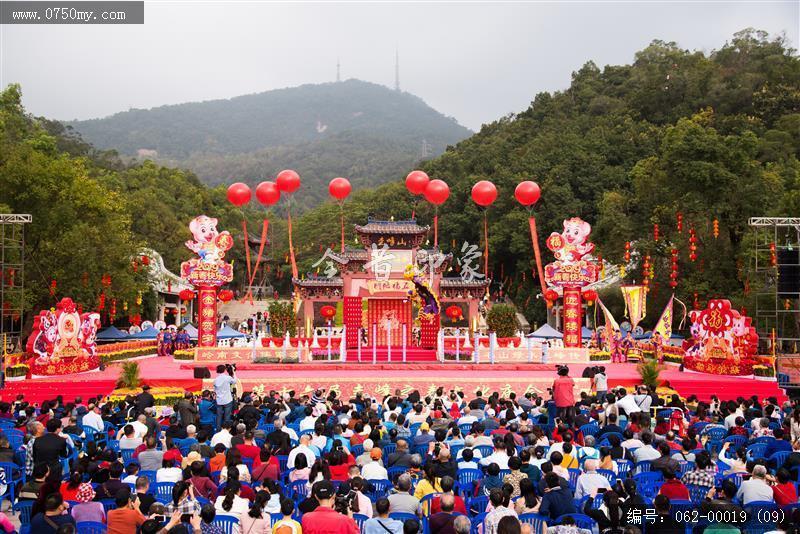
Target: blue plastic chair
[756, 451]
[24, 508]
[15, 476]
[759, 515]
[467, 478]
[778, 458]
[283, 462]
[356, 450]
[477, 504]
[389, 449]
[476, 523]
[225, 523]
[609, 475]
[590, 429]
[380, 488]
[643, 466]
[360, 519]
[91, 527]
[573, 478]
[536, 521]
[465, 428]
[414, 428]
[485, 450]
[697, 493]
[395, 471]
[648, 483]
[163, 491]
[298, 490]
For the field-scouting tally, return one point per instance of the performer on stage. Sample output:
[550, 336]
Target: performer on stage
[160, 342]
[658, 347]
[627, 345]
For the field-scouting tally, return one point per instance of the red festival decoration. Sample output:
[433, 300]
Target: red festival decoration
[715, 224]
[225, 295]
[288, 181]
[328, 312]
[454, 313]
[590, 296]
[339, 188]
[721, 333]
[267, 193]
[627, 252]
[527, 193]
[416, 182]
[436, 192]
[655, 232]
[239, 194]
[773, 255]
[145, 260]
[484, 193]
[571, 272]
[186, 294]
[673, 274]
[207, 272]
[63, 340]
[53, 285]
[679, 217]
[692, 244]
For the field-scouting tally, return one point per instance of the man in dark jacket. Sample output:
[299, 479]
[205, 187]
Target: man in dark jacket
[557, 500]
[279, 440]
[49, 448]
[144, 399]
[187, 410]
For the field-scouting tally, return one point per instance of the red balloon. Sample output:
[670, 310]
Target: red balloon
[416, 182]
[484, 193]
[436, 192]
[339, 188]
[268, 193]
[527, 193]
[288, 181]
[239, 194]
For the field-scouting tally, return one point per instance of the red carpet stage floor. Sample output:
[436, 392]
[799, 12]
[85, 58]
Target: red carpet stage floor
[375, 379]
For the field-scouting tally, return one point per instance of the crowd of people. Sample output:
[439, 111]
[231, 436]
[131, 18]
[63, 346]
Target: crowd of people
[615, 460]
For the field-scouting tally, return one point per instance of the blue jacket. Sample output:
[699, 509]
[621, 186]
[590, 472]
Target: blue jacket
[207, 415]
[557, 502]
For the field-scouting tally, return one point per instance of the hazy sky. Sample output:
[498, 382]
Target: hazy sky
[473, 61]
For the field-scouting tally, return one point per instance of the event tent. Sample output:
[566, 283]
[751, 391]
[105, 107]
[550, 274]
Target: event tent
[648, 335]
[546, 332]
[190, 329]
[149, 333]
[227, 332]
[112, 333]
[586, 333]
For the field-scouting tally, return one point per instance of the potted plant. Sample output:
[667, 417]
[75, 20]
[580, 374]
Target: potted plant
[16, 373]
[764, 372]
[129, 377]
[649, 371]
[502, 320]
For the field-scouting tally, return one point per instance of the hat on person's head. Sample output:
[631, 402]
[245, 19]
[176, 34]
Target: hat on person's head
[189, 458]
[375, 453]
[145, 387]
[424, 426]
[85, 493]
[323, 489]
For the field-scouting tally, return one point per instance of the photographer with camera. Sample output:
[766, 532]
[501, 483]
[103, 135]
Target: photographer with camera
[325, 519]
[223, 389]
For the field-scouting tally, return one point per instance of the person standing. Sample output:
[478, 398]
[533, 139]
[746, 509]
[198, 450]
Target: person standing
[222, 389]
[564, 394]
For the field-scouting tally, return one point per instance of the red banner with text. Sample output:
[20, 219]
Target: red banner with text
[572, 317]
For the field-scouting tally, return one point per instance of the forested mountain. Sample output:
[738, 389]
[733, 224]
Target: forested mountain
[361, 130]
[707, 136]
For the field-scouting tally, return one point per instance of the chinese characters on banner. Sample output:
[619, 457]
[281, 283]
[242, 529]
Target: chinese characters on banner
[572, 317]
[207, 323]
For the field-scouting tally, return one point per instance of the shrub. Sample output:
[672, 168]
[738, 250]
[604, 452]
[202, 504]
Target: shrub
[20, 369]
[502, 319]
[600, 356]
[763, 370]
[649, 371]
[463, 356]
[282, 319]
[183, 354]
[129, 377]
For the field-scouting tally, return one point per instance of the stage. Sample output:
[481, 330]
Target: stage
[382, 378]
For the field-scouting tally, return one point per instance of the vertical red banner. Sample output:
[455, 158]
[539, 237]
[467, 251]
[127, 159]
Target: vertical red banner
[352, 315]
[429, 332]
[207, 322]
[573, 319]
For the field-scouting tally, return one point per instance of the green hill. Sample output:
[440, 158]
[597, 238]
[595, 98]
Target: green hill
[356, 129]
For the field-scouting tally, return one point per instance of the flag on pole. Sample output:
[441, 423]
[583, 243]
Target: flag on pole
[664, 324]
[635, 303]
[611, 323]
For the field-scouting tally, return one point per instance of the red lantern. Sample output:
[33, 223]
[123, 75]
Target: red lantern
[267, 193]
[186, 294]
[288, 181]
[527, 193]
[53, 285]
[454, 313]
[239, 194]
[416, 182]
[716, 228]
[627, 251]
[679, 216]
[225, 295]
[437, 192]
[773, 254]
[484, 193]
[339, 188]
[655, 232]
[328, 312]
[145, 260]
[590, 295]
[550, 295]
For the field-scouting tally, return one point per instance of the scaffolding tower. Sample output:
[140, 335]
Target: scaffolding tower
[777, 293]
[12, 279]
